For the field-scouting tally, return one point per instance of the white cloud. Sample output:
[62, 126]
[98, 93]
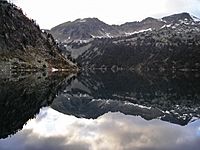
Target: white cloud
[50, 13]
[113, 131]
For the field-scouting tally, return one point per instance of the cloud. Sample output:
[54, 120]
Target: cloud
[111, 131]
[35, 142]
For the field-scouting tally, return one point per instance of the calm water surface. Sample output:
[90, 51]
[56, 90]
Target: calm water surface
[100, 110]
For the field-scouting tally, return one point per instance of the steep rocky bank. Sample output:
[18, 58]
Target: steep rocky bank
[24, 46]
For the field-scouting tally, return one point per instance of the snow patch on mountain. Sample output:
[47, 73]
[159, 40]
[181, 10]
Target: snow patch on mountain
[195, 18]
[167, 26]
[144, 30]
[83, 20]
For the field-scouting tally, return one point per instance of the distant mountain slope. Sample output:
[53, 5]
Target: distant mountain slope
[24, 45]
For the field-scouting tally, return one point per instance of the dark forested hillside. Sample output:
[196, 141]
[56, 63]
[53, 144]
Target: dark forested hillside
[167, 48]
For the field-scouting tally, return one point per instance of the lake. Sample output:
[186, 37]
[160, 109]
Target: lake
[100, 110]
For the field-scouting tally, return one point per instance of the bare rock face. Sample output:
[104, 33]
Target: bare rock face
[24, 45]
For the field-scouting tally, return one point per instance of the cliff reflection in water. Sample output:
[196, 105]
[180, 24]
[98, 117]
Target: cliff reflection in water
[22, 96]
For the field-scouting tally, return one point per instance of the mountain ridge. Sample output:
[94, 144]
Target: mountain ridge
[88, 28]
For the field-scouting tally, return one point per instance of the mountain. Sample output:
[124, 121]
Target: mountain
[83, 29]
[24, 46]
[171, 43]
[89, 28]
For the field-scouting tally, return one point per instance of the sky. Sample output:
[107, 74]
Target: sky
[49, 13]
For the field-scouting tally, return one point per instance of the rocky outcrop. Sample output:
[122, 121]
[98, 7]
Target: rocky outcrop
[23, 45]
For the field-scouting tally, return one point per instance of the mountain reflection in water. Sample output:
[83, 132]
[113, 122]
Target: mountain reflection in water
[100, 110]
[170, 97]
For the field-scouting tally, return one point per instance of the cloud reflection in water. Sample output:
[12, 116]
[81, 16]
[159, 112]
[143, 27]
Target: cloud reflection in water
[55, 131]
